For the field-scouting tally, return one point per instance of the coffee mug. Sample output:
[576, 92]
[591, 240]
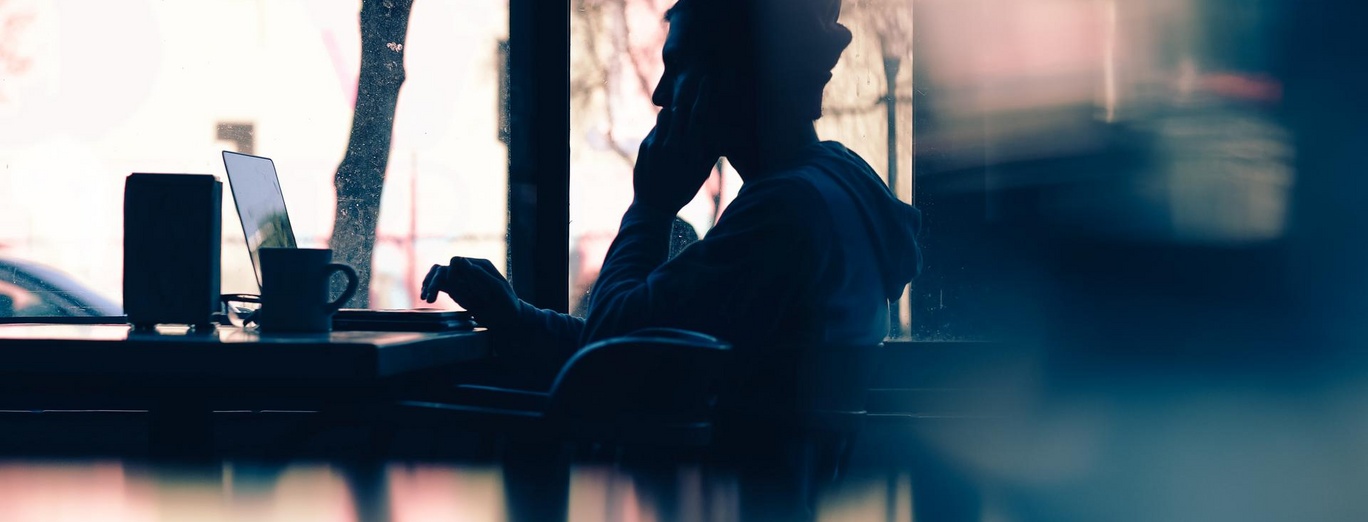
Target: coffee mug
[294, 289]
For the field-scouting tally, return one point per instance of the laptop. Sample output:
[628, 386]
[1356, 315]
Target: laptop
[265, 223]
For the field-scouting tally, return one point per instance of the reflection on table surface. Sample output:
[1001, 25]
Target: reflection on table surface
[118, 491]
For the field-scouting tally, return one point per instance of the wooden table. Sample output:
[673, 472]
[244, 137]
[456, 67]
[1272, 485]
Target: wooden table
[181, 376]
[228, 352]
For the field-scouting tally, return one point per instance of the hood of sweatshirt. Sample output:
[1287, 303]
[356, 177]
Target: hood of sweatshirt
[893, 224]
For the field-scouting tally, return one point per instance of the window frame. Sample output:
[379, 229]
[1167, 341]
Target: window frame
[539, 152]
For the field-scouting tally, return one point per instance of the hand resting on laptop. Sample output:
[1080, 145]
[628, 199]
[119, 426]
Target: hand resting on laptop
[478, 287]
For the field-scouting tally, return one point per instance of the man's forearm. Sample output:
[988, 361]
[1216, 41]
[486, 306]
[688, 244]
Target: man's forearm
[547, 330]
[617, 303]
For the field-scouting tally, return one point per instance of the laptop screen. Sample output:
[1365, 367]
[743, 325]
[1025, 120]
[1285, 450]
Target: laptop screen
[260, 204]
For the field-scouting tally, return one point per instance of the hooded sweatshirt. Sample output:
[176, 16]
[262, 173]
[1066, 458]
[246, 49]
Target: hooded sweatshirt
[808, 255]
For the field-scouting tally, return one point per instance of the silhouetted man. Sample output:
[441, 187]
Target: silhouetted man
[810, 251]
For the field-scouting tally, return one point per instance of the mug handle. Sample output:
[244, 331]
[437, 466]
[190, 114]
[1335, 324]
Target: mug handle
[351, 285]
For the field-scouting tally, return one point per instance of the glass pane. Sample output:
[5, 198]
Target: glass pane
[867, 105]
[615, 64]
[97, 90]
[1010, 123]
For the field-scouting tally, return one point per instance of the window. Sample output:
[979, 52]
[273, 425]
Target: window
[615, 65]
[28, 290]
[95, 91]
[1013, 124]
[1010, 123]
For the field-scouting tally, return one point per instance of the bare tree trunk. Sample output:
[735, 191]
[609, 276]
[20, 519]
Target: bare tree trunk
[360, 178]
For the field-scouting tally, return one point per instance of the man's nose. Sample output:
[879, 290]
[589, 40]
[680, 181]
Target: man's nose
[660, 97]
[663, 91]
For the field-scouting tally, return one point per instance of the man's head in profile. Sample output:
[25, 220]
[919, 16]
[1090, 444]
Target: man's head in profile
[765, 61]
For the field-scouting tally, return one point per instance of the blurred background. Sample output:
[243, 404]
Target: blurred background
[1143, 218]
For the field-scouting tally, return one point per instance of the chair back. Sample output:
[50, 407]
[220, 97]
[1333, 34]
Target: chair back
[802, 386]
[653, 385]
[788, 422]
[810, 396]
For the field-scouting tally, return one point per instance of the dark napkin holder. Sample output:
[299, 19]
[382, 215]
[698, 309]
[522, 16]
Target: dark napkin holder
[172, 237]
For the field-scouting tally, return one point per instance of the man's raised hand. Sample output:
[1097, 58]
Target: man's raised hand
[678, 155]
